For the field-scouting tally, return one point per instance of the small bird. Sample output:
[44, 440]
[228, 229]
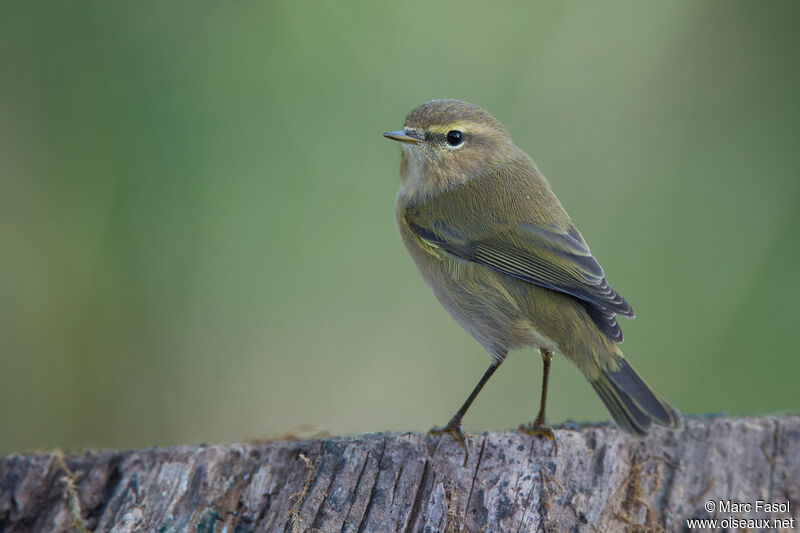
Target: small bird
[500, 253]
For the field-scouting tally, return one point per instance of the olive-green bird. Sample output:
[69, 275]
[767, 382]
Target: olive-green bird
[502, 256]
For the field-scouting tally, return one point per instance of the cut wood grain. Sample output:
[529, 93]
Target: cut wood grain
[601, 480]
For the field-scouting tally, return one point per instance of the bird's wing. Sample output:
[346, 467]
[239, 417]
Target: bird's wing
[554, 257]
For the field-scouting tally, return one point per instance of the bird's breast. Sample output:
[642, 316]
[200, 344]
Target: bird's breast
[492, 307]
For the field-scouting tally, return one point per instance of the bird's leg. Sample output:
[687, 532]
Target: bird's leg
[538, 427]
[547, 355]
[454, 426]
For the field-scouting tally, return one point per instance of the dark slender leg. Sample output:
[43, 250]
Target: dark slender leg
[454, 426]
[538, 427]
[546, 357]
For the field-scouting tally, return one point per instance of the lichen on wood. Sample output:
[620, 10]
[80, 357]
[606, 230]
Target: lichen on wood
[601, 480]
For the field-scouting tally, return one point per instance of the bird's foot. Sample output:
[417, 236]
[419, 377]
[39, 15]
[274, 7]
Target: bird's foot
[454, 429]
[539, 429]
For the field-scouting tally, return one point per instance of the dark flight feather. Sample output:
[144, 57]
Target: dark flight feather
[556, 261]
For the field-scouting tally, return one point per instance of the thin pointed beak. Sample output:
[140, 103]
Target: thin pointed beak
[405, 136]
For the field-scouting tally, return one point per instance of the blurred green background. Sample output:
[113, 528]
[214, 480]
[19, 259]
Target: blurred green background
[197, 237]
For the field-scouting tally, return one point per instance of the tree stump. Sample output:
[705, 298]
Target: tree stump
[601, 480]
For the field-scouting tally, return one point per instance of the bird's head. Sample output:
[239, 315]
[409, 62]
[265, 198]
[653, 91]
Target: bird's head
[447, 143]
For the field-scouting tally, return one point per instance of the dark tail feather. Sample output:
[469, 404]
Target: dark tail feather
[633, 405]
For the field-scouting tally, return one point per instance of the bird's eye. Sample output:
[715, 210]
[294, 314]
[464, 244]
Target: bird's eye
[455, 138]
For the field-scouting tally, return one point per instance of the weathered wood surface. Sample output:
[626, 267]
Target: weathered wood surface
[601, 480]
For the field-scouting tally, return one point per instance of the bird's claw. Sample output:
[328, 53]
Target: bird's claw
[455, 430]
[540, 430]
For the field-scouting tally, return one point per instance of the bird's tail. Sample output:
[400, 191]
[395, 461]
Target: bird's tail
[634, 406]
